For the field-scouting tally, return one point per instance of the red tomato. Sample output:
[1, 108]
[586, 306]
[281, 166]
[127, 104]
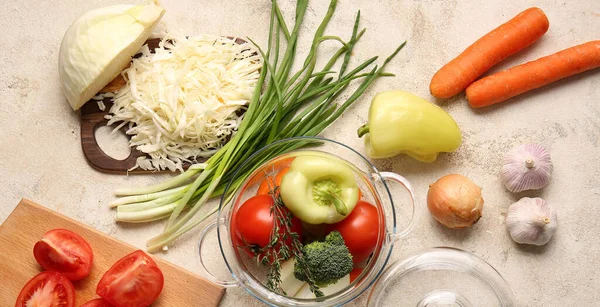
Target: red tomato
[47, 289]
[353, 274]
[360, 230]
[97, 303]
[253, 223]
[64, 251]
[267, 184]
[133, 281]
[235, 236]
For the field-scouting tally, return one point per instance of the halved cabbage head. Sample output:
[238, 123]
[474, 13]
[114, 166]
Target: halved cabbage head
[100, 44]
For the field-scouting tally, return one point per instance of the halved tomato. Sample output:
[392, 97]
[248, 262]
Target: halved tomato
[133, 281]
[64, 251]
[97, 303]
[47, 289]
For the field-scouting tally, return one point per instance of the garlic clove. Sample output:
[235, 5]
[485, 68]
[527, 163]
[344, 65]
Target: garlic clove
[526, 167]
[531, 221]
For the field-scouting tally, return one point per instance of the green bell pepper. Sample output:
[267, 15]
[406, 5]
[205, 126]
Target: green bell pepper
[319, 188]
[402, 123]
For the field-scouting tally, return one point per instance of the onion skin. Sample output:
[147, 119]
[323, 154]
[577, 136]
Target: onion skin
[455, 201]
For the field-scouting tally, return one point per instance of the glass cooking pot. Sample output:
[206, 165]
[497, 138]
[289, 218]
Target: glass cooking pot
[373, 184]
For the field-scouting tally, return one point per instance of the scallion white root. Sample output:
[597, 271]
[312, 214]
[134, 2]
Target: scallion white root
[147, 197]
[150, 204]
[146, 215]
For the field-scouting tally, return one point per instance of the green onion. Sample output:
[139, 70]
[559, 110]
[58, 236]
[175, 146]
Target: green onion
[300, 105]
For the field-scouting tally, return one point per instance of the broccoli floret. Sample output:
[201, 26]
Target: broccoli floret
[327, 261]
[335, 238]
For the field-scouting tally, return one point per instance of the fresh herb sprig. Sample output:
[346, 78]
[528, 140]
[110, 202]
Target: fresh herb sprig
[278, 249]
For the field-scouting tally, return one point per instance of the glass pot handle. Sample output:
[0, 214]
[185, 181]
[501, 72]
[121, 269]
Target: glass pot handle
[206, 274]
[416, 212]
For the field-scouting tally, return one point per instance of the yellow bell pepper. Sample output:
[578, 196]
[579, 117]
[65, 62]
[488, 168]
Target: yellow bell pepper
[319, 189]
[402, 123]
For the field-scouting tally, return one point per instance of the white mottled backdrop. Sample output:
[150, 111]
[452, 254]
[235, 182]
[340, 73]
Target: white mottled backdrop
[41, 157]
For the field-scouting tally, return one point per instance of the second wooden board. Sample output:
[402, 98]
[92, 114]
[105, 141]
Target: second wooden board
[30, 221]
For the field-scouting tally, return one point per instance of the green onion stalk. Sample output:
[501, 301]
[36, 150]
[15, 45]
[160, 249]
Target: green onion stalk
[289, 105]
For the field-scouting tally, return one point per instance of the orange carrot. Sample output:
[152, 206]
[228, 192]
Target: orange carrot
[270, 182]
[520, 79]
[507, 39]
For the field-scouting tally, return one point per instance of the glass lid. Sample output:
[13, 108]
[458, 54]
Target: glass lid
[438, 277]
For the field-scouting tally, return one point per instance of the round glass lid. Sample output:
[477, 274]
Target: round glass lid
[439, 277]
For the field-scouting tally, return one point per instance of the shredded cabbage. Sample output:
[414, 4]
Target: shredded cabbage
[99, 98]
[184, 101]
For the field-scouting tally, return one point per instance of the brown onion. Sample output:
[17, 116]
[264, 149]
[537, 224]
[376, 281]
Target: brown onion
[455, 201]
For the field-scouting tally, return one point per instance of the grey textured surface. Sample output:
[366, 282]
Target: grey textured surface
[42, 158]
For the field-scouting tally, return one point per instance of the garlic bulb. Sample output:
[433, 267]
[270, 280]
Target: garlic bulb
[100, 44]
[531, 221]
[526, 167]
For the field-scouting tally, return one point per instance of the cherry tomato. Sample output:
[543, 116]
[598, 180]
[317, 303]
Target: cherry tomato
[47, 289]
[133, 281]
[253, 223]
[267, 184]
[64, 251]
[97, 303]
[361, 230]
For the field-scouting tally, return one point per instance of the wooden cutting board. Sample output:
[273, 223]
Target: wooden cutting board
[30, 221]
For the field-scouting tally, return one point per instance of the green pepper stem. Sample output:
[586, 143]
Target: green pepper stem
[335, 200]
[339, 205]
[364, 129]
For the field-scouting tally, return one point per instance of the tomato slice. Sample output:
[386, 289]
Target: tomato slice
[97, 303]
[133, 281]
[47, 289]
[64, 251]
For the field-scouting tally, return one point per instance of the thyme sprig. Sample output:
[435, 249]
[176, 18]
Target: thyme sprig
[284, 243]
[280, 249]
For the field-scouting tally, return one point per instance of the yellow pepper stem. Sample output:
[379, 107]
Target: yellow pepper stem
[364, 129]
